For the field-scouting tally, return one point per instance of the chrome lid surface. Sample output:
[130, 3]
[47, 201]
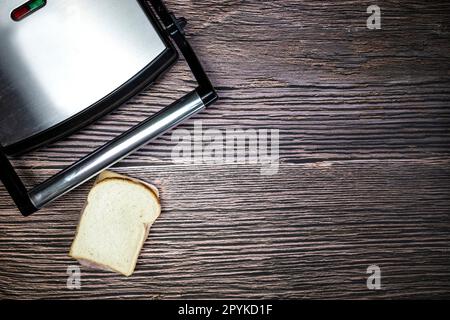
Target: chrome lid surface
[65, 57]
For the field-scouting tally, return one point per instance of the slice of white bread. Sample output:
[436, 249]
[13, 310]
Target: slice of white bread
[115, 223]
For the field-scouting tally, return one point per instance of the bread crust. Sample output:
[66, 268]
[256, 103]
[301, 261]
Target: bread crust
[111, 175]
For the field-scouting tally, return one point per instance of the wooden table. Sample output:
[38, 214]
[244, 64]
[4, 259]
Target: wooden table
[364, 172]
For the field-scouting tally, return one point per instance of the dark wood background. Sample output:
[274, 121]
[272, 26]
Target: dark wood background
[364, 177]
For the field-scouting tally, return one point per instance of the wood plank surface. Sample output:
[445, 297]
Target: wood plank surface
[364, 124]
[310, 231]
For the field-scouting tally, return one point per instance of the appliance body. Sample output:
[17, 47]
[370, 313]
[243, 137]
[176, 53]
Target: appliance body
[69, 62]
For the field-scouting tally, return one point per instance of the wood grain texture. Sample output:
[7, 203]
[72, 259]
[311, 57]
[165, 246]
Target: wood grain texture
[310, 231]
[364, 124]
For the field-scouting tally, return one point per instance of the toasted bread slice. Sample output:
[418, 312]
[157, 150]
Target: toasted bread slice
[115, 223]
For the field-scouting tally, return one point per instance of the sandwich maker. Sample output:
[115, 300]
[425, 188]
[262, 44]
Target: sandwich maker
[65, 63]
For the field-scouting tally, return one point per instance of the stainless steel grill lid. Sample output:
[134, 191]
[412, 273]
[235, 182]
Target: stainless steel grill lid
[70, 62]
[65, 57]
